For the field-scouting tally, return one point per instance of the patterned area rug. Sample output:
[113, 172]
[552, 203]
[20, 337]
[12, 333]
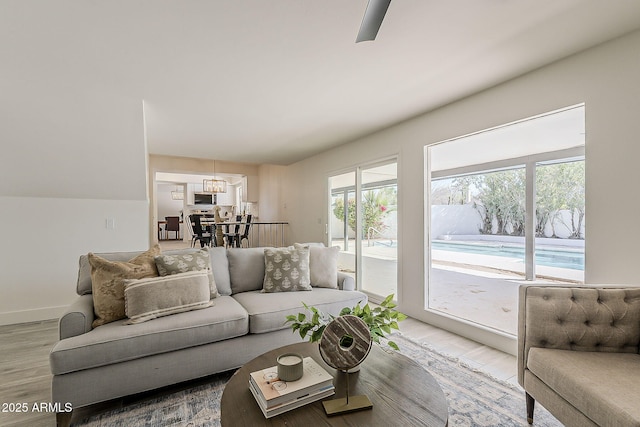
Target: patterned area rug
[474, 398]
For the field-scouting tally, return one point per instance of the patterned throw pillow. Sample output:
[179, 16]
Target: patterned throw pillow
[286, 269]
[181, 263]
[147, 299]
[107, 283]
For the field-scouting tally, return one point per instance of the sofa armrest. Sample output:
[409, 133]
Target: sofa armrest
[78, 317]
[346, 282]
[580, 318]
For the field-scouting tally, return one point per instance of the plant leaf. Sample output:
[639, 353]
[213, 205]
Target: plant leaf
[387, 300]
[304, 329]
[345, 310]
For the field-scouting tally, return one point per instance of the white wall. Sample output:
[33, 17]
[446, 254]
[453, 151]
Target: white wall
[604, 77]
[166, 205]
[270, 182]
[43, 242]
[74, 155]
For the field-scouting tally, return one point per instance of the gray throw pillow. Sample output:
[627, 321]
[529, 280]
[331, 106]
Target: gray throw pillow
[181, 263]
[147, 299]
[286, 269]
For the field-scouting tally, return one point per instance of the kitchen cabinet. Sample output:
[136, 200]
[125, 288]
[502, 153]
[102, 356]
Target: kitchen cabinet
[250, 188]
[228, 198]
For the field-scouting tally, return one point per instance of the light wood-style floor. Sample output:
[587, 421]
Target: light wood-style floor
[25, 375]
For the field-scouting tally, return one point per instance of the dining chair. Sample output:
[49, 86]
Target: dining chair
[173, 224]
[245, 233]
[235, 239]
[231, 236]
[200, 234]
[192, 233]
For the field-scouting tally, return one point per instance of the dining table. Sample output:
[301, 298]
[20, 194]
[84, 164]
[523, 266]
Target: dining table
[263, 233]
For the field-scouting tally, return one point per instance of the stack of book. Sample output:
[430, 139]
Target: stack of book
[275, 397]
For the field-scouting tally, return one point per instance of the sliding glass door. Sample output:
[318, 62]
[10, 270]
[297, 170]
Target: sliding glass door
[379, 225]
[342, 220]
[364, 224]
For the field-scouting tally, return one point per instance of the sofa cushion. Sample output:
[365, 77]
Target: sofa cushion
[107, 278]
[286, 270]
[168, 264]
[601, 385]
[147, 299]
[116, 342]
[268, 311]
[220, 268]
[246, 269]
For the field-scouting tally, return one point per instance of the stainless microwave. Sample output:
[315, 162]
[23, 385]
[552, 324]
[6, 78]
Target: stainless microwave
[204, 199]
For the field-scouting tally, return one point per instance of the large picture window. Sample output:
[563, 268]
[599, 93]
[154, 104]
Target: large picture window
[505, 206]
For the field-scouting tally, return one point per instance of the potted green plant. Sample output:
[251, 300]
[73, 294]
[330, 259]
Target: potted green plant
[381, 321]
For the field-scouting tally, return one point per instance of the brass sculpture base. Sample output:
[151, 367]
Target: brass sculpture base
[345, 405]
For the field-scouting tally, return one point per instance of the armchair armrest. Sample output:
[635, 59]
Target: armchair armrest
[346, 282]
[579, 318]
[78, 317]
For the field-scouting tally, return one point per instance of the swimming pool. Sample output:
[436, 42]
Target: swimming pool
[561, 258]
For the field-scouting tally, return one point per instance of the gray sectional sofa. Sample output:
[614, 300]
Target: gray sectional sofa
[119, 359]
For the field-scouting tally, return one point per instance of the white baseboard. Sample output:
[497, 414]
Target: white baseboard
[28, 316]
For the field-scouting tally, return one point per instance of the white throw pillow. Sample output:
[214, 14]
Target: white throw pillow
[323, 265]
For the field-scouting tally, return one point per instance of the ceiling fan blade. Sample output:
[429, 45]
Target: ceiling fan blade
[373, 16]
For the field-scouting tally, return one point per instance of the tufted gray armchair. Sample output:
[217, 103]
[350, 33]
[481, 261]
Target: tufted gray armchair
[578, 353]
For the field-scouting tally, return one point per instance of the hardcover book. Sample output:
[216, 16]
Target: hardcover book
[289, 405]
[274, 391]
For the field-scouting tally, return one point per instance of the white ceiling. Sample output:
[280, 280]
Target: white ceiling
[275, 81]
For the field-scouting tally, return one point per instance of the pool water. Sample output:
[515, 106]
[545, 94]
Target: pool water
[560, 258]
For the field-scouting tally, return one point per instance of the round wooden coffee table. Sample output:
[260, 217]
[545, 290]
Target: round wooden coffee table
[403, 393]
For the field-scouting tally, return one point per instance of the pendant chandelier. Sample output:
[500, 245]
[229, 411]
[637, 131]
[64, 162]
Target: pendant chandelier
[178, 194]
[214, 185]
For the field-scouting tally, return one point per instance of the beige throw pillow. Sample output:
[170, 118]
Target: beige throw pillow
[107, 282]
[286, 269]
[323, 265]
[181, 263]
[147, 299]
